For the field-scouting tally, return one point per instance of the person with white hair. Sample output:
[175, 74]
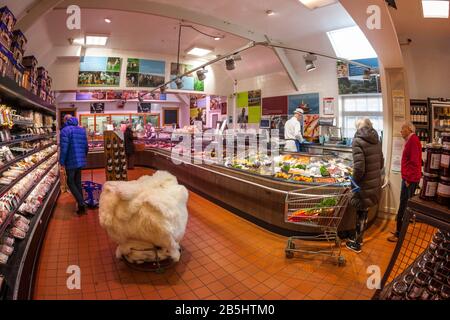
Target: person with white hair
[368, 164]
[293, 132]
[411, 172]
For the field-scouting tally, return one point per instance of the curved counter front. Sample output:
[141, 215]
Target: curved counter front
[255, 198]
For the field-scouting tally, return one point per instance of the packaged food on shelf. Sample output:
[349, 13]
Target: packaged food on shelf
[17, 233]
[21, 225]
[7, 18]
[7, 241]
[5, 36]
[20, 39]
[6, 250]
[3, 258]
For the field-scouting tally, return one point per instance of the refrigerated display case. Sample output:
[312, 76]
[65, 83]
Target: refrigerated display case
[440, 112]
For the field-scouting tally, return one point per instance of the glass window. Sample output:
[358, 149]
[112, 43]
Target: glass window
[351, 43]
[153, 119]
[101, 122]
[117, 120]
[356, 107]
[87, 122]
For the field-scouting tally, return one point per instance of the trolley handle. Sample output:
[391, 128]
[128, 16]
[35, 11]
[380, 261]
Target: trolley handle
[354, 185]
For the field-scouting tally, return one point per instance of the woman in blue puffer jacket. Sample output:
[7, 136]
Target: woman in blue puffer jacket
[73, 153]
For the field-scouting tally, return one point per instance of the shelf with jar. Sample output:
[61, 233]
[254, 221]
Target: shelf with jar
[420, 265]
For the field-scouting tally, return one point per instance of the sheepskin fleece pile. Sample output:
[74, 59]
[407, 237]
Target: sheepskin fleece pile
[145, 214]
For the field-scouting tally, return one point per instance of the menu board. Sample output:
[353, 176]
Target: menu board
[145, 73]
[98, 107]
[170, 117]
[190, 82]
[99, 72]
[144, 107]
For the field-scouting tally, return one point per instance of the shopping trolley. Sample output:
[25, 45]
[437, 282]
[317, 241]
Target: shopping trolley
[320, 208]
[91, 192]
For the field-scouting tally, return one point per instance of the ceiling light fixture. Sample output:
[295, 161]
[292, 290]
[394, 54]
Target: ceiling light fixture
[309, 62]
[96, 40]
[435, 9]
[230, 64]
[217, 38]
[162, 90]
[77, 41]
[107, 20]
[198, 52]
[270, 12]
[201, 74]
[179, 83]
[315, 4]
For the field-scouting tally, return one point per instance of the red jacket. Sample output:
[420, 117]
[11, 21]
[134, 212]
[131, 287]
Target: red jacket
[412, 160]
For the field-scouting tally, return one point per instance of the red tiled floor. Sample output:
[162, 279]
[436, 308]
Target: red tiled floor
[224, 257]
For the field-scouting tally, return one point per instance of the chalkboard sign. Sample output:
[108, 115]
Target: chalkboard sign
[98, 107]
[144, 107]
[170, 116]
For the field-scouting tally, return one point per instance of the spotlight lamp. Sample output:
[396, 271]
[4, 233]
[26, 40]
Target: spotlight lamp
[162, 90]
[201, 74]
[309, 62]
[179, 83]
[230, 64]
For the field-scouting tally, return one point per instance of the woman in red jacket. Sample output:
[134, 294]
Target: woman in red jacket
[411, 172]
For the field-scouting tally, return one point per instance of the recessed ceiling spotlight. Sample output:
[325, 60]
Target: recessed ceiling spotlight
[107, 20]
[270, 12]
[217, 38]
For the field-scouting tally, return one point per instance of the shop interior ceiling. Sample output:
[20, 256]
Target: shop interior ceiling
[411, 24]
[292, 25]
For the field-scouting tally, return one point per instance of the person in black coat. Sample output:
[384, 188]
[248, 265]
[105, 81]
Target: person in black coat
[129, 146]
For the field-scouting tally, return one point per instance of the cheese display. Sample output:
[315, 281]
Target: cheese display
[296, 169]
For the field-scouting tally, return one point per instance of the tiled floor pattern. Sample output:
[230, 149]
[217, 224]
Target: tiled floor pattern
[224, 257]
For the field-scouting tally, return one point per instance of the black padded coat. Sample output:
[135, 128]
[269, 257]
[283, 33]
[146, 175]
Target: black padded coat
[368, 164]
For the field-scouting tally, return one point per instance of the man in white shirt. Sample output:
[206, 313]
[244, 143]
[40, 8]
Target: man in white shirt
[293, 132]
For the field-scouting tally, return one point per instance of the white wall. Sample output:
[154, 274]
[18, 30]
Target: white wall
[64, 71]
[428, 70]
[323, 80]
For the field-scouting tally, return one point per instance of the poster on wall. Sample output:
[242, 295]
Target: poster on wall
[328, 106]
[190, 82]
[309, 102]
[98, 107]
[90, 95]
[351, 78]
[249, 107]
[275, 106]
[145, 73]
[99, 72]
[311, 126]
[144, 107]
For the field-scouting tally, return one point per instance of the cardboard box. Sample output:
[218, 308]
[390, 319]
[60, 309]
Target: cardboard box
[7, 18]
[5, 37]
[20, 39]
[17, 52]
[30, 62]
[42, 73]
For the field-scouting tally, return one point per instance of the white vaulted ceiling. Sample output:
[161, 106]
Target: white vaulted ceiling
[292, 25]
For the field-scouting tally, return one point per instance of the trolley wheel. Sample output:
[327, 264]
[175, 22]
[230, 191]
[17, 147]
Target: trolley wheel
[289, 254]
[341, 261]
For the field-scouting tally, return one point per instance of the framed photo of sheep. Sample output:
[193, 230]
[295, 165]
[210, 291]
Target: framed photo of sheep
[170, 116]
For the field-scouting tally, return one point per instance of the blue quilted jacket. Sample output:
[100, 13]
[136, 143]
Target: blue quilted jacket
[73, 145]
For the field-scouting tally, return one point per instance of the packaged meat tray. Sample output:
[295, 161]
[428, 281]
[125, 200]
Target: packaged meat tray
[3, 259]
[21, 225]
[7, 241]
[6, 250]
[17, 233]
